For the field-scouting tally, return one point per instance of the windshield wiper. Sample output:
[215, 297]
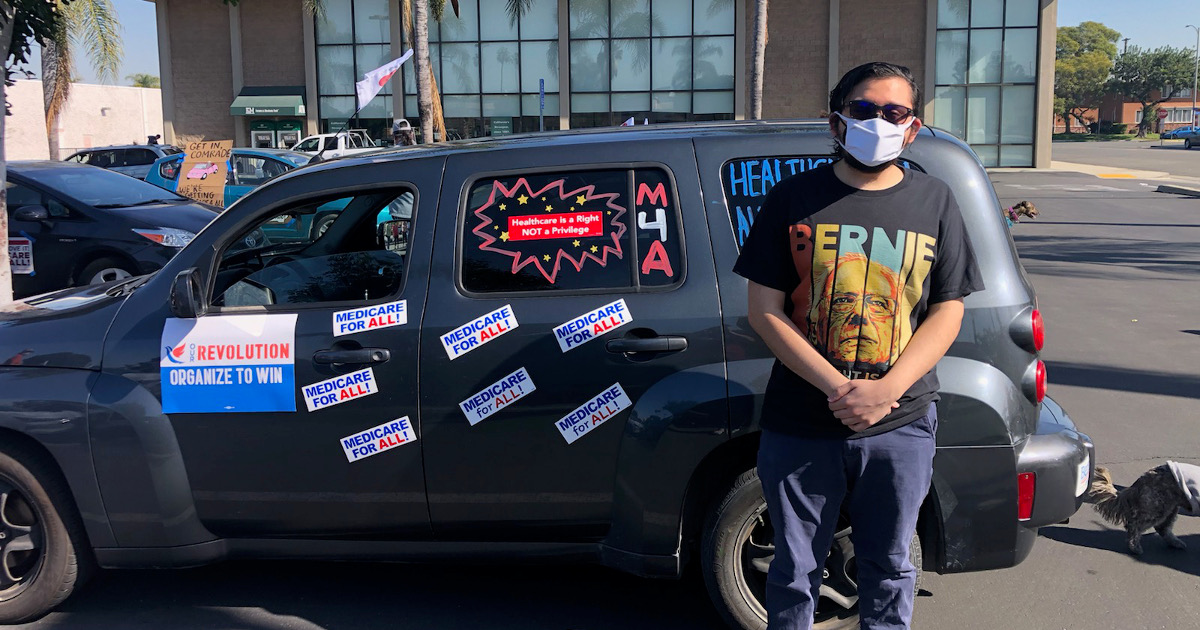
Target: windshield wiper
[128, 286]
[140, 203]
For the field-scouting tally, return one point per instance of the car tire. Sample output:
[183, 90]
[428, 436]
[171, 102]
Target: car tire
[321, 225]
[1187, 143]
[36, 511]
[736, 550]
[103, 270]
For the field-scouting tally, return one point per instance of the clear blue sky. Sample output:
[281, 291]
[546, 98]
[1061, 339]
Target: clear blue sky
[1149, 25]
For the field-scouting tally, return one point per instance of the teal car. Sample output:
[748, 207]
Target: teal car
[246, 170]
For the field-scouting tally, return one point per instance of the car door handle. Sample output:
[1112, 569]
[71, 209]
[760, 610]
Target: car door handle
[665, 343]
[362, 356]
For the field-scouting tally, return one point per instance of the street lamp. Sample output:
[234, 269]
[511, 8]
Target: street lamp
[1195, 74]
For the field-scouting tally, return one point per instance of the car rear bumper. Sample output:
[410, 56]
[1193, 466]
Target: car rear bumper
[1063, 460]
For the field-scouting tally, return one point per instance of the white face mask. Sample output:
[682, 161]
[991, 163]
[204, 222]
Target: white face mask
[874, 141]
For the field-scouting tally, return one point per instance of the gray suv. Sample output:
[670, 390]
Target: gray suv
[548, 356]
[133, 160]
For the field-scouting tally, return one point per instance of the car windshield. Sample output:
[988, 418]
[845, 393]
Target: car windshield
[99, 187]
[297, 159]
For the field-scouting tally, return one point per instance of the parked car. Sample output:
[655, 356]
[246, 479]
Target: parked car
[133, 160]
[247, 169]
[550, 358]
[1177, 133]
[1191, 139]
[331, 145]
[72, 224]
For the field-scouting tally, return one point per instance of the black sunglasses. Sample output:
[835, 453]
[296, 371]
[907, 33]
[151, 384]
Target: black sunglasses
[866, 110]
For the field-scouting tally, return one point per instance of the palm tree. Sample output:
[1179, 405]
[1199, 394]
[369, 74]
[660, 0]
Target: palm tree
[144, 80]
[91, 24]
[760, 58]
[424, 75]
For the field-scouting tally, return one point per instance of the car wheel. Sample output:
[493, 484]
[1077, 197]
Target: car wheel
[1187, 143]
[42, 557]
[103, 270]
[322, 226]
[737, 549]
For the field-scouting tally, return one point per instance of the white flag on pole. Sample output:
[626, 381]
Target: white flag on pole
[374, 80]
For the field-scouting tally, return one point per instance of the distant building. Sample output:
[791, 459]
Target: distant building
[94, 116]
[263, 72]
[1117, 109]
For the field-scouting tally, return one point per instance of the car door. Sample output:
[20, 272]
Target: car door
[46, 250]
[293, 399]
[543, 359]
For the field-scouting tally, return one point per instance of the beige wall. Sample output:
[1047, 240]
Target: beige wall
[272, 42]
[95, 115]
[892, 32]
[797, 60]
[201, 69]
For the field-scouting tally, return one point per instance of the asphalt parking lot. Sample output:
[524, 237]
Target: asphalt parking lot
[1167, 156]
[1115, 266]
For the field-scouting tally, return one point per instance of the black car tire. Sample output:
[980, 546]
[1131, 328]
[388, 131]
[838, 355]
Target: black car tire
[321, 225]
[1187, 143]
[37, 510]
[738, 535]
[90, 270]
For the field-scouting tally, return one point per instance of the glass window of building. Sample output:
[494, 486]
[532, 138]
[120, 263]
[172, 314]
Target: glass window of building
[490, 68]
[650, 60]
[353, 37]
[985, 75]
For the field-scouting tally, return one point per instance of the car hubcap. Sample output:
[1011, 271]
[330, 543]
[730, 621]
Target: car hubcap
[20, 542]
[839, 585]
[109, 275]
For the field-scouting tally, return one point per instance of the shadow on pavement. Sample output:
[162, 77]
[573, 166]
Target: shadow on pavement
[342, 596]
[1177, 258]
[1123, 379]
[1155, 551]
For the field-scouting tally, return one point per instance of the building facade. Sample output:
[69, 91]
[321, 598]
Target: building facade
[263, 72]
[93, 116]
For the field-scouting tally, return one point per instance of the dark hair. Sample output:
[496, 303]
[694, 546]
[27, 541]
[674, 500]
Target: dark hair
[872, 70]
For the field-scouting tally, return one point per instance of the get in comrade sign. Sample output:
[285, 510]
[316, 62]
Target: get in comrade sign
[203, 172]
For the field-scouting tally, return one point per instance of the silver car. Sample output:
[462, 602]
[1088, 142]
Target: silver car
[133, 160]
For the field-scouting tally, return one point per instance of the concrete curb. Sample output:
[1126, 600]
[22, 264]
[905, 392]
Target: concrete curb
[1179, 190]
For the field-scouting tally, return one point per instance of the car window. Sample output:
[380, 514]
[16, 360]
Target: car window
[571, 231]
[20, 195]
[139, 157]
[82, 158]
[253, 170]
[169, 169]
[307, 145]
[331, 250]
[746, 182]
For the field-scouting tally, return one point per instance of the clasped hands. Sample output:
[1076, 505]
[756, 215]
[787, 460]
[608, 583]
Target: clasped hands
[861, 403]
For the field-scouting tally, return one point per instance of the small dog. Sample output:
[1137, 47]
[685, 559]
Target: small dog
[1024, 209]
[1154, 500]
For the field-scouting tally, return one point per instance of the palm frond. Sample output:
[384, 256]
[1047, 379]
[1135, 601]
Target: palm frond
[517, 8]
[93, 25]
[315, 8]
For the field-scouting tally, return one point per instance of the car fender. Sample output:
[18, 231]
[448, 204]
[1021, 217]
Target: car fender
[48, 407]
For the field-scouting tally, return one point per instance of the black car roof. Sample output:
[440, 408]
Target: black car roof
[22, 167]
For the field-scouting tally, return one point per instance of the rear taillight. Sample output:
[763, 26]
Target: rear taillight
[1026, 485]
[1039, 330]
[1040, 380]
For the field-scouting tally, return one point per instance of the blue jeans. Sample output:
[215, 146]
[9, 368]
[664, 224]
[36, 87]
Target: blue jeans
[882, 481]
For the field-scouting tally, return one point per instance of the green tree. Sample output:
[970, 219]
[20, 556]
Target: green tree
[21, 23]
[142, 79]
[1084, 58]
[87, 24]
[1151, 77]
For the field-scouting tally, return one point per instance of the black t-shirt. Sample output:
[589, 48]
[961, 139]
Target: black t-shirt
[859, 269]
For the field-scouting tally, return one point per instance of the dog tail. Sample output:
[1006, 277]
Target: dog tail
[1106, 498]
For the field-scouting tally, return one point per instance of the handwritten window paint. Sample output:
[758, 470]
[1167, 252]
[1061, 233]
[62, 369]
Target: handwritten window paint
[572, 231]
[747, 181]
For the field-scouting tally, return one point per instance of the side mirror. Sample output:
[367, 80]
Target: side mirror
[187, 302]
[32, 213]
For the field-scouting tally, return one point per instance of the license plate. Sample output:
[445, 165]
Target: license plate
[1081, 478]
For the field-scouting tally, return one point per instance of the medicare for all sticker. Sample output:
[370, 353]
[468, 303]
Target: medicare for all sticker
[497, 396]
[588, 326]
[340, 389]
[375, 440]
[370, 318]
[593, 413]
[475, 333]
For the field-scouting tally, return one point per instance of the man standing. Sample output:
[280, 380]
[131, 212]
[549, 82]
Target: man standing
[857, 272]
